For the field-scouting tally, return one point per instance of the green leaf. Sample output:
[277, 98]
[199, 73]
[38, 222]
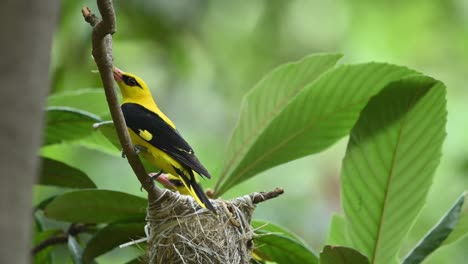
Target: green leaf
[318, 116]
[432, 240]
[341, 255]
[266, 100]
[91, 100]
[390, 160]
[461, 229]
[97, 141]
[42, 205]
[96, 206]
[56, 173]
[67, 124]
[112, 236]
[338, 233]
[281, 246]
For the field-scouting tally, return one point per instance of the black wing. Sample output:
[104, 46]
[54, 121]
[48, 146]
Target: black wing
[165, 137]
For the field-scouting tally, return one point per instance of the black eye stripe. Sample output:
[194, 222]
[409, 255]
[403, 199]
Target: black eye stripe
[130, 81]
[176, 183]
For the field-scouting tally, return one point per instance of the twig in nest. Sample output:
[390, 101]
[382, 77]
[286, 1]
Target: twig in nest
[102, 54]
[264, 196]
[233, 221]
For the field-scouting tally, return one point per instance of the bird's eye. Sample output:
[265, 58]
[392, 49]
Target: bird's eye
[132, 82]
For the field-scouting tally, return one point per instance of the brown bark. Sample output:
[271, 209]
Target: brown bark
[27, 28]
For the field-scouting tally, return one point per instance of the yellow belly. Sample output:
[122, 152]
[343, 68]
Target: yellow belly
[156, 156]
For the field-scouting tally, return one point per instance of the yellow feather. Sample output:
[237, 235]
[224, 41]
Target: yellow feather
[145, 134]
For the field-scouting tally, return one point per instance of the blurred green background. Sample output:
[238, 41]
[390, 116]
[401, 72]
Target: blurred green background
[200, 57]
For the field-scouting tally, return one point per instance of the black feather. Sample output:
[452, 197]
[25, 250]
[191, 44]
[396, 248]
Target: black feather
[165, 137]
[190, 181]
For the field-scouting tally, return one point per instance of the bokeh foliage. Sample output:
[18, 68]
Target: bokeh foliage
[205, 55]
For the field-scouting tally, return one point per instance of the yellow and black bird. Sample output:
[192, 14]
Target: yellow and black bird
[156, 136]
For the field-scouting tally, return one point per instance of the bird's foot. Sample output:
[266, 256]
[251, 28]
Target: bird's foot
[152, 176]
[138, 149]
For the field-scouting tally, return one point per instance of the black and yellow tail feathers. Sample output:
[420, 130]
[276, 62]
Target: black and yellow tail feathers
[195, 189]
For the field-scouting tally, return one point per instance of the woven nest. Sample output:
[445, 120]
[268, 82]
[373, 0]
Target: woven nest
[183, 232]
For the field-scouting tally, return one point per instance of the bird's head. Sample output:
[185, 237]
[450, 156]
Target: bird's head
[131, 86]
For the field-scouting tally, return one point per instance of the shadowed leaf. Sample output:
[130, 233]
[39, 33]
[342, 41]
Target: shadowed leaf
[390, 160]
[280, 246]
[57, 173]
[436, 236]
[111, 237]
[96, 206]
[342, 255]
[461, 229]
[68, 124]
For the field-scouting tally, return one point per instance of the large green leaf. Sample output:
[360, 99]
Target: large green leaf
[57, 173]
[338, 234]
[321, 113]
[66, 124]
[267, 99]
[434, 238]
[281, 246]
[341, 255]
[111, 237]
[96, 206]
[461, 229]
[390, 160]
[91, 100]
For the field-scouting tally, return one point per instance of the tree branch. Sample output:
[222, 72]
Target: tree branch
[61, 238]
[102, 53]
[264, 196]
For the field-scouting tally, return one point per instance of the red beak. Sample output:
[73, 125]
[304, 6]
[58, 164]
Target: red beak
[117, 74]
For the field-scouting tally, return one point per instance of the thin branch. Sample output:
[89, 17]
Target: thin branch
[61, 237]
[264, 196]
[102, 53]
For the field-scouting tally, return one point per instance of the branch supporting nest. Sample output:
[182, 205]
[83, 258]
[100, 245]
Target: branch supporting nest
[264, 196]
